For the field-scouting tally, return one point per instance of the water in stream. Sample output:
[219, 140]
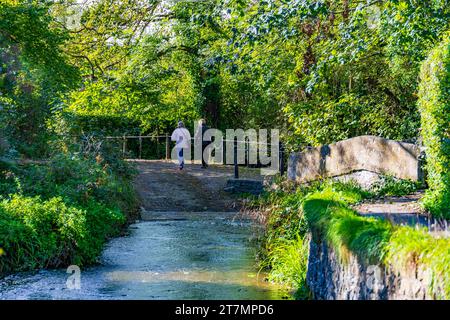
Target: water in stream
[199, 257]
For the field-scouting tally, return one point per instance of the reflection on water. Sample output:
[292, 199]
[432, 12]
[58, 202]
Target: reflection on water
[209, 258]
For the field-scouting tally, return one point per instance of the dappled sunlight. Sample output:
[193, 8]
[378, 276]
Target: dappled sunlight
[241, 278]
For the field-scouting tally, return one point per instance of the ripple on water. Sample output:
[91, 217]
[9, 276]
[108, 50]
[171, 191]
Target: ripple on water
[180, 259]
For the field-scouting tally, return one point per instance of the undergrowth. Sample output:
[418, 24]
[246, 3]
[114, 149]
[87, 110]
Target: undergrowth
[390, 186]
[322, 211]
[61, 212]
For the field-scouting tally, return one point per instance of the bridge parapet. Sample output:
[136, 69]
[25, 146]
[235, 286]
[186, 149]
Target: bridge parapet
[364, 153]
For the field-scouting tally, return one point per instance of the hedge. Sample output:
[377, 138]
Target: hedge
[434, 106]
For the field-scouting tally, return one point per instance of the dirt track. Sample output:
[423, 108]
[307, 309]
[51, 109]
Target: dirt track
[162, 187]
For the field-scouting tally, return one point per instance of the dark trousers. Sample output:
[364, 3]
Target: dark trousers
[204, 145]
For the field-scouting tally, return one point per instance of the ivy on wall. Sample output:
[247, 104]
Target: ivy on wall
[434, 106]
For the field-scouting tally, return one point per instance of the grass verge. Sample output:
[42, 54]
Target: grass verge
[61, 213]
[323, 210]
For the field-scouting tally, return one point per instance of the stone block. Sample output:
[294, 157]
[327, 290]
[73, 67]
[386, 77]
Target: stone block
[364, 153]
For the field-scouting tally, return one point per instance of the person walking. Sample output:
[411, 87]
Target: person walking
[182, 138]
[205, 141]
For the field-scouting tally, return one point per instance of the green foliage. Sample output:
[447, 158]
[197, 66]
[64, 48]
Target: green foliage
[338, 69]
[149, 79]
[319, 71]
[408, 247]
[61, 212]
[77, 180]
[330, 219]
[288, 263]
[75, 124]
[434, 105]
[283, 248]
[102, 222]
[390, 186]
[323, 211]
[30, 39]
[103, 32]
[41, 234]
[149, 95]
[51, 227]
[34, 73]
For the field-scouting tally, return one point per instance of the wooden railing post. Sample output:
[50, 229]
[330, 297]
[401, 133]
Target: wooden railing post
[247, 151]
[124, 145]
[167, 147]
[157, 146]
[140, 146]
[236, 167]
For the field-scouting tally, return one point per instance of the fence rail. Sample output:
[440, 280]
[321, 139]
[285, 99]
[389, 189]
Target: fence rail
[163, 147]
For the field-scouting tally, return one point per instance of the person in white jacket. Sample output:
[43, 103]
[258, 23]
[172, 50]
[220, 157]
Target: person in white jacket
[182, 137]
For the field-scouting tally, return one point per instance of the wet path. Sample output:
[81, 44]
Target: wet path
[167, 255]
[162, 259]
[404, 210]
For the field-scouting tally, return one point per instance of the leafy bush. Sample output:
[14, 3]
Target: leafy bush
[76, 179]
[326, 119]
[101, 223]
[288, 261]
[61, 212]
[417, 247]
[40, 234]
[377, 241]
[323, 210]
[434, 105]
[390, 186]
[283, 250]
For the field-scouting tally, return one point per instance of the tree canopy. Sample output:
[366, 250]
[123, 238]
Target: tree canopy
[319, 70]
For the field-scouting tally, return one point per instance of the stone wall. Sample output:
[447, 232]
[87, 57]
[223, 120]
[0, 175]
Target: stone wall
[329, 278]
[364, 153]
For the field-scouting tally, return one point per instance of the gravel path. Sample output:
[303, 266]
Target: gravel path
[403, 210]
[162, 187]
